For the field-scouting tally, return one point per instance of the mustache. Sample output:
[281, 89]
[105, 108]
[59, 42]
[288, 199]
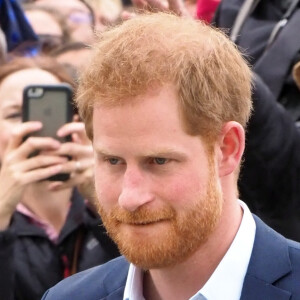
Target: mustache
[141, 216]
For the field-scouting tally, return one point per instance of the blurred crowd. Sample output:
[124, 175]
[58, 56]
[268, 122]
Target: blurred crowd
[48, 42]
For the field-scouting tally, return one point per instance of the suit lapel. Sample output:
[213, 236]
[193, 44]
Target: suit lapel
[257, 289]
[268, 263]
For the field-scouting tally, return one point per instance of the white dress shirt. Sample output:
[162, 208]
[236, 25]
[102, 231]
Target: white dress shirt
[226, 282]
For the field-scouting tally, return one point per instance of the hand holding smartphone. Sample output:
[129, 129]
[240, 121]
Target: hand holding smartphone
[52, 106]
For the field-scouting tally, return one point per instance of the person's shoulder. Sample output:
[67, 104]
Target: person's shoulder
[275, 258]
[274, 267]
[95, 283]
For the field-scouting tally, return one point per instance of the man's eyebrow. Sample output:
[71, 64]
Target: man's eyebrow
[163, 152]
[102, 152]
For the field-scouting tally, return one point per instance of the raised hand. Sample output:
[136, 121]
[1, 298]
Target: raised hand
[18, 170]
[81, 165]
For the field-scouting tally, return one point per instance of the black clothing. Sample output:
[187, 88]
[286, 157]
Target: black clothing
[253, 39]
[270, 177]
[31, 263]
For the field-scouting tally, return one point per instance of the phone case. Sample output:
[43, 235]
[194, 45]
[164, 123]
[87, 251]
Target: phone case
[52, 105]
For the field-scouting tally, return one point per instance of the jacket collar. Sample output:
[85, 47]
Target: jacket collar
[76, 216]
[268, 263]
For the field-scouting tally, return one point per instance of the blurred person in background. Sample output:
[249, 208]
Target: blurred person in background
[19, 34]
[79, 16]
[47, 230]
[107, 12]
[66, 53]
[49, 25]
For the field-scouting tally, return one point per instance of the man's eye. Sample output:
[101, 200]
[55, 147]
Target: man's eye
[113, 161]
[160, 160]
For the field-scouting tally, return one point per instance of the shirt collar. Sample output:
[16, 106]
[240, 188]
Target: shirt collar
[220, 283]
[236, 260]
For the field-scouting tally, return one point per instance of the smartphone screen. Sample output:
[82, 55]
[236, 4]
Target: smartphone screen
[50, 111]
[51, 105]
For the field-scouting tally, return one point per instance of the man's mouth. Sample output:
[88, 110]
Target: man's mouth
[143, 223]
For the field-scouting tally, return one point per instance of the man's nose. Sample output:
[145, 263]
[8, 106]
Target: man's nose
[135, 190]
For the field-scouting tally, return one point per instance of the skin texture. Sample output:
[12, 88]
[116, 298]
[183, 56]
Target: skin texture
[152, 179]
[21, 178]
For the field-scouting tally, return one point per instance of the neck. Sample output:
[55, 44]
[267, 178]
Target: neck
[50, 206]
[184, 280]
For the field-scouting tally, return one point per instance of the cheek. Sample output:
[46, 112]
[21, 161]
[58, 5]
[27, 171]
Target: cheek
[107, 189]
[184, 189]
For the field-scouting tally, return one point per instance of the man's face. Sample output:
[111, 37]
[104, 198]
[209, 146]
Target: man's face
[158, 190]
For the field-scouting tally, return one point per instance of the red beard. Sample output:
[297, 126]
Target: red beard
[162, 238]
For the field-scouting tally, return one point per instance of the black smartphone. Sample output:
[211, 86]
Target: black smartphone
[51, 105]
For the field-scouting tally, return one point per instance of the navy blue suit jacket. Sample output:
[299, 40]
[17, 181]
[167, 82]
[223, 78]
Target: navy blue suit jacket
[273, 273]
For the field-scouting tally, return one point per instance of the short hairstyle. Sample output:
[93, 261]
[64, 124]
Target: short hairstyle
[44, 63]
[211, 77]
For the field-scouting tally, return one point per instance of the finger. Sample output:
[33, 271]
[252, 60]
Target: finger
[76, 166]
[39, 161]
[39, 174]
[30, 146]
[76, 150]
[34, 144]
[77, 130]
[20, 132]
[70, 128]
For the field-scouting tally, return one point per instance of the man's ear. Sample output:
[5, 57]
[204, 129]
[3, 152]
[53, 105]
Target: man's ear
[231, 147]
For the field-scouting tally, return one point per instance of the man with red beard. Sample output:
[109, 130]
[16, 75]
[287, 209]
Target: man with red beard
[165, 101]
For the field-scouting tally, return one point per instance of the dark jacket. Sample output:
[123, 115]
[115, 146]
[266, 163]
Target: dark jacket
[273, 274]
[270, 177]
[31, 263]
[253, 38]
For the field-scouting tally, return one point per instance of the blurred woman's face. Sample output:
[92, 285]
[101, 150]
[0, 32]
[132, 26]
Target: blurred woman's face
[11, 92]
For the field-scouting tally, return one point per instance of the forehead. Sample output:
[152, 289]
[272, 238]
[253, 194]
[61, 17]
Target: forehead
[11, 88]
[146, 122]
[148, 126]
[156, 106]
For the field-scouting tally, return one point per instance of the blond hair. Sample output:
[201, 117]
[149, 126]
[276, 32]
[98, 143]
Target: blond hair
[211, 77]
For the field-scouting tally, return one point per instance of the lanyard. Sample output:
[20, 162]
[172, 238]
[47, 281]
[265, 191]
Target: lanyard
[282, 23]
[248, 7]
